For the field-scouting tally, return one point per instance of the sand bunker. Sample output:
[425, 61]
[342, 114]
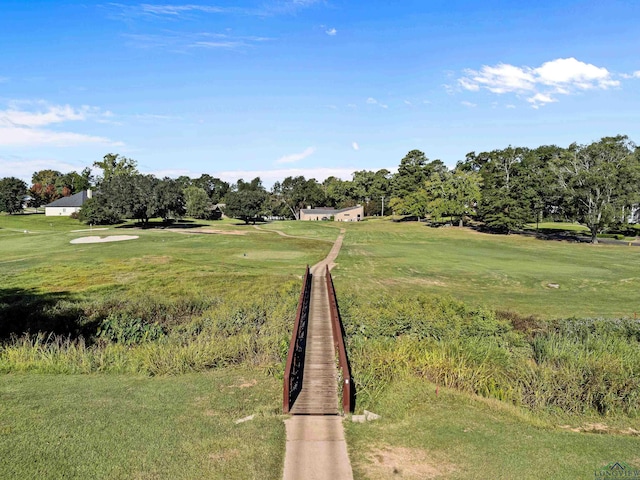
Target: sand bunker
[110, 238]
[210, 231]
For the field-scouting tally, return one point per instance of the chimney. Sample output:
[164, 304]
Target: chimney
[89, 193]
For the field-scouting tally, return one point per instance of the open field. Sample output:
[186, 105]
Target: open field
[494, 271]
[456, 436]
[122, 426]
[219, 298]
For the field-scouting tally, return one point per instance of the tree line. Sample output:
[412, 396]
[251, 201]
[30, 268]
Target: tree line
[596, 185]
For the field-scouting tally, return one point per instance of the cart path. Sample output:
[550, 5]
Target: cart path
[316, 448]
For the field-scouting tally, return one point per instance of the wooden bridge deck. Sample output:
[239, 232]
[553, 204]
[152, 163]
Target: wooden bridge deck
[319, 394]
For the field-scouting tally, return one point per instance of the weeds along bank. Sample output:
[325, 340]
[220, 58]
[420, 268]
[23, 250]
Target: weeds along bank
[571, 365]
[152, 335]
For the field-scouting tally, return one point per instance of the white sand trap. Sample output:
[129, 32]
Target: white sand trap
[110, 238]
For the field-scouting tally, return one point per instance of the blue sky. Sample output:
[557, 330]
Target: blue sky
[273, 88]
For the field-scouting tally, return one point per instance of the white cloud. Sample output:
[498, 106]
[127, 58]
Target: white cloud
[569, 72]
[226, 44]
[18, 136]
[469, 104]
[189, 11]
[296, 157]
[13, 117]
[22, 127]
[540, 99]
[331, 32]
[355, 146]
[373, 101]
[562, 76]
[636, 74]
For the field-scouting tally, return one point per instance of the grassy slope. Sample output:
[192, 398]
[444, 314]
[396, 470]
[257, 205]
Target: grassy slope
[476, 268]
[103, 426]
[462, 437]
[165, 262]
[499, 272]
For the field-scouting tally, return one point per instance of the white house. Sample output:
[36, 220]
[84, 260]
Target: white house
[634, 216]
[65, 206]
[351, 214]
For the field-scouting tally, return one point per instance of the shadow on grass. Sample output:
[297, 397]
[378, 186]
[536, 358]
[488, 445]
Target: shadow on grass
[27, 311]
[158, 224]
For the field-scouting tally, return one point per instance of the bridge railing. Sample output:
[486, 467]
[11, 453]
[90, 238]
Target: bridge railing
[348, 388]
[294, 369]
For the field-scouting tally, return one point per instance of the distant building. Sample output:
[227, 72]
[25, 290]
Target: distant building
[351, 214]
[634, 216]
[65, 206]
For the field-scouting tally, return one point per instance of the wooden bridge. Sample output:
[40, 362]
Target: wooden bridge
[317, 358]
[317, 372]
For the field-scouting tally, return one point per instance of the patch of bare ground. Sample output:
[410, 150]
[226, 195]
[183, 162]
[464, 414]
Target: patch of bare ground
[245, 384]
[224, 455]
[413, 281]
[401, 462]
[210, 231]
[155, 259]
[601, 428]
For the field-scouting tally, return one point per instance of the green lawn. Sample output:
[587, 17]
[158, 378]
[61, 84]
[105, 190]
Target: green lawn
[421, 435]
[167, 262]
[500, 272]
[235, 284]
[132, 427]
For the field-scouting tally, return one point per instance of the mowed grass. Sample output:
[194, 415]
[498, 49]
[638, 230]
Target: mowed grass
[456, 436]
[163, 416]
[549, 279]
[167, 262]
[132, 427]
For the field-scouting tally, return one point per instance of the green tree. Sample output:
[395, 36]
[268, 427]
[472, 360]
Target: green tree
[73, 182]
[461, 194]
[43, 187]
[599, 180]
[369, 188]
[12, 194]
[412, 173]
[247, 201]
[115, 164]
[93, 212]
[298, 193]
[198, 203]
[338, 193]
[216, 189]
[169, 199]
[504, 206]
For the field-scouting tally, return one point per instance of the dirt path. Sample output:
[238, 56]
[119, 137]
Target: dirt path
[316, 448]
[283, 234]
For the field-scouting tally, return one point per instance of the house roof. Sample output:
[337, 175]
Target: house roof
[327, 210]
[76, 200]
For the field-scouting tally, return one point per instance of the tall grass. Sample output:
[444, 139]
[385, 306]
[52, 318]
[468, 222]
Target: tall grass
[155, 338]
[574, 366]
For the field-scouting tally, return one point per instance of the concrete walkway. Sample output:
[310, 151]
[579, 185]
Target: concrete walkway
[316, 448]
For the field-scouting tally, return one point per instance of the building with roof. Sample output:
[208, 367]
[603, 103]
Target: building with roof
[65, 206]
[350, 214]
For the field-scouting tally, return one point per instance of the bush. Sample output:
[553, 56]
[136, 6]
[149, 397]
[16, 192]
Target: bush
[576, 365]
[121, 328]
